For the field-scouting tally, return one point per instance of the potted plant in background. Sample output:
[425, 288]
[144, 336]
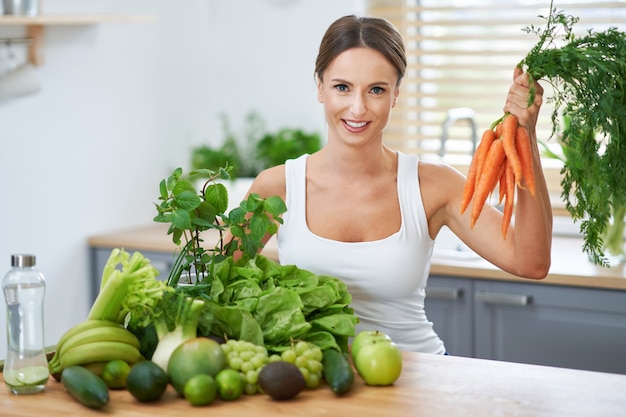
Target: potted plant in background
[254, 150]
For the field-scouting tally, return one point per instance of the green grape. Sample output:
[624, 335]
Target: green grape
[248, 359]
[252, 377]
[275, 358]
[313, 381]
[301, 361]
[227, 348]
[247, 367]
[314, 366]
[235, 363]
[301, 347]
[258, 360]
[289, 355]
[305, 373]
[250, 389]
[307, 357]
[318, 355]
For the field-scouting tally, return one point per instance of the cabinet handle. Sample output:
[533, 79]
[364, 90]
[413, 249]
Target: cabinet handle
[444, 293]
[501, 298]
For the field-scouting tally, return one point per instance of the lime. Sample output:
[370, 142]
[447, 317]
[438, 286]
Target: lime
[200, 389]
[229, 384]
[146, 381]
[115, 373]
[28, 376]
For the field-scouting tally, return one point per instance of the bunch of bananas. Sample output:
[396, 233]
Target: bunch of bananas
[92, 343]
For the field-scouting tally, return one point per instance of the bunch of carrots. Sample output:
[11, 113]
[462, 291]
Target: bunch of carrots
[504, 159]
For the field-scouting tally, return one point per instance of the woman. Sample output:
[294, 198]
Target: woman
[368, 215]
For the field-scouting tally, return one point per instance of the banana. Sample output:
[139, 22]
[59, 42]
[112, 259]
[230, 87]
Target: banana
[83, 326]
[95, 367]
[99, 352]
[100, 334]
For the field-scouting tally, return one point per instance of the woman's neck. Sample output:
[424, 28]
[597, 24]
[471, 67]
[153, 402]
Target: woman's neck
[347, 161]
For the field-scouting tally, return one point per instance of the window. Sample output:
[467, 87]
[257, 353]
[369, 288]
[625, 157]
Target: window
[461, 56]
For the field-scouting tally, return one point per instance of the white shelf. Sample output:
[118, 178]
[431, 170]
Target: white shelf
[35, 26]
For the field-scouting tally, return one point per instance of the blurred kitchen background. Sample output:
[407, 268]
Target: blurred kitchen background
[122, 104]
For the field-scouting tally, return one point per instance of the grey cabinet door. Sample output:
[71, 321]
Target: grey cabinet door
[448, 306]
[580, 328]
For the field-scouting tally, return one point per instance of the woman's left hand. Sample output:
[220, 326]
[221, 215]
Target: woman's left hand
[517, 100]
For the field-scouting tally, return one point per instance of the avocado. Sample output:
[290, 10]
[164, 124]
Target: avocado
[281, 380]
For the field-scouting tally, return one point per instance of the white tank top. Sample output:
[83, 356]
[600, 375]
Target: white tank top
[386, 277]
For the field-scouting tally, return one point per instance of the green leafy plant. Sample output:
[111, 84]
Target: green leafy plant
[256, 149]
[190, 212]
[588, 74]
[275, 148]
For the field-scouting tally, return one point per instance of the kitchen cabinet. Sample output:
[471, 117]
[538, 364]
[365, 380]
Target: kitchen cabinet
[573, 327]
[449, 305]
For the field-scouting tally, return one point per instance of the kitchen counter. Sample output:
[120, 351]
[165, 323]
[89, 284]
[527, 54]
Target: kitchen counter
[430, 385]
[570, 266]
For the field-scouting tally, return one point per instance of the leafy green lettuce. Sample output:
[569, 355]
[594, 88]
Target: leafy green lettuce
[263, 302]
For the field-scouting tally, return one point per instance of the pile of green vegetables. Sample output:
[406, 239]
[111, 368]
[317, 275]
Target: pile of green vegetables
[252, 298]
[257, 300]
[588, 74]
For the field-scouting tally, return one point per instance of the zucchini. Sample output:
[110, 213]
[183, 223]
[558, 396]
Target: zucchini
[85, 386]
[338, 372]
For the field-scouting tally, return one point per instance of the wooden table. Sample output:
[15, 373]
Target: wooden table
[430, 385]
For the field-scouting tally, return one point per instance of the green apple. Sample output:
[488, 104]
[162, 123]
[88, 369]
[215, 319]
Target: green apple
[366, 337]
[379, 362]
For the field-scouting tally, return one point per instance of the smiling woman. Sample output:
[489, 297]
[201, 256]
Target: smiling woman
[367, 214]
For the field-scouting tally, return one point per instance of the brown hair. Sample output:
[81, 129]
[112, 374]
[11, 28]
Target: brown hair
[352, 32]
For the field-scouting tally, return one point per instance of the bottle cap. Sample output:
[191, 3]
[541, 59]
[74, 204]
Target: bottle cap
[22, 260]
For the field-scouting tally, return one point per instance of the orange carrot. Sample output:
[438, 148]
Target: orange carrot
[509, 199]
[509, 129]
[487, 139]
[470, 186]
[498, 129]
[500, 176]
[524, 150]
[472, 175]
[502, 186]
[488, 178]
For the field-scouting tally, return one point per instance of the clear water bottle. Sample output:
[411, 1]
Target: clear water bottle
[26, 366]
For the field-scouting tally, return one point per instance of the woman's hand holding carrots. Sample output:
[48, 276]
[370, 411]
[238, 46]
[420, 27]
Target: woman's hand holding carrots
[503, 157]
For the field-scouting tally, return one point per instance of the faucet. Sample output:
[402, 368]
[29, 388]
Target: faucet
[453, 115]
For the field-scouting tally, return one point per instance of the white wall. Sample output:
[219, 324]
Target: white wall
[123, 104]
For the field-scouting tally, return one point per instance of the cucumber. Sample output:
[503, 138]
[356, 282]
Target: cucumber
[85, 386]
[338, 372]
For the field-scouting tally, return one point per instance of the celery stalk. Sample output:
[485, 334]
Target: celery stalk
[136, 279]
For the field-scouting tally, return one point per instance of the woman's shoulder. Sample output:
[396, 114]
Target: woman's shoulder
[270, 182]
[440, 183]
[434, 170]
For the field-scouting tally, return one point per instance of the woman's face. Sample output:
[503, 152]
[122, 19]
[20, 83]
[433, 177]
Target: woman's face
[358, 92]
